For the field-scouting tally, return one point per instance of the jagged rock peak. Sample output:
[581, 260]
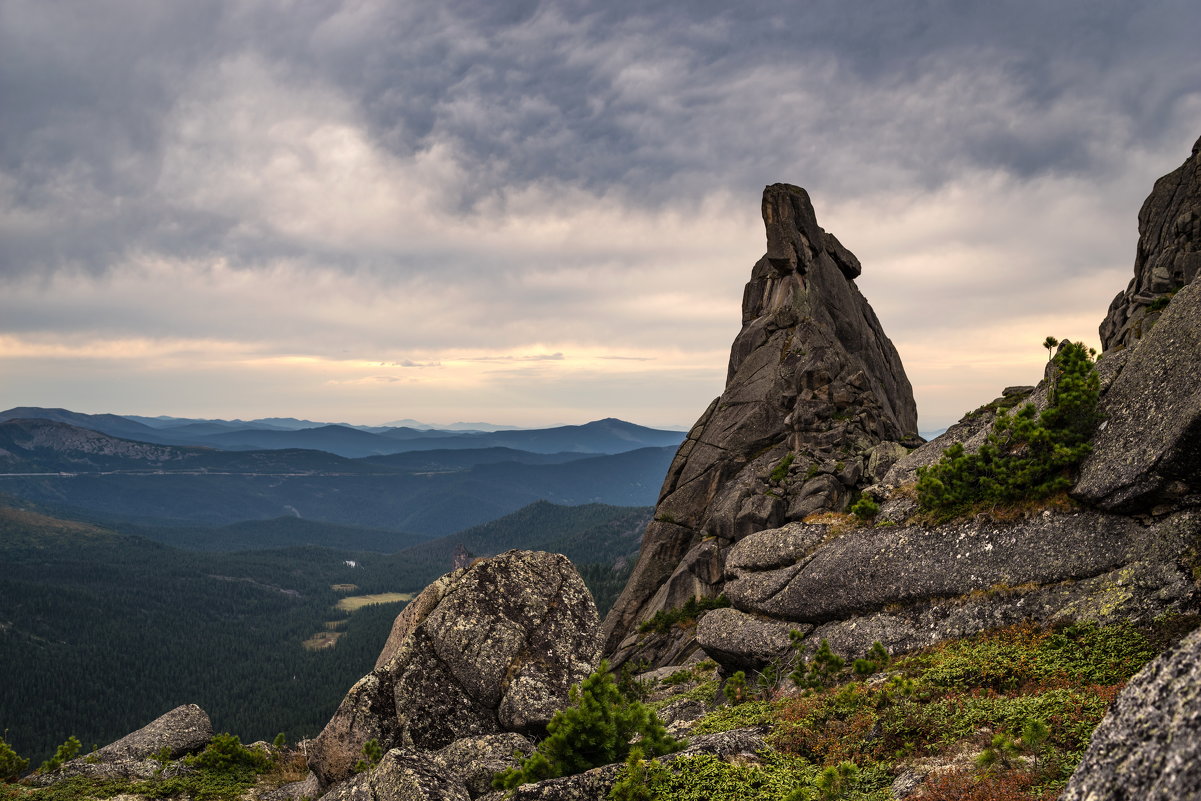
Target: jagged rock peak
[1168, 256]
[816, 400]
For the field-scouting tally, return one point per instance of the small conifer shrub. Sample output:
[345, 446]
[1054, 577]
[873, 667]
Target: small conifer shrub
[64, 753]
[372, 754]
[11, 765]
[865, 508]
[596, 729]
[1027, 454]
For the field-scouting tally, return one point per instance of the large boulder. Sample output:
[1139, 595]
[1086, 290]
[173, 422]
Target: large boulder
[491, 648]
[910, 587]
[1148, 747]
[1168, 256]
[184, 730]
[813, 388]
[1147, 450]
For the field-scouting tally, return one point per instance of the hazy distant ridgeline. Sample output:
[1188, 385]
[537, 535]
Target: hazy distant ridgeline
[600, 436]
[425, 491]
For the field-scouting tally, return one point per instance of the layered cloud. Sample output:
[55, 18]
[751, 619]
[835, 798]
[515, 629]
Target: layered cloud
[542, 212]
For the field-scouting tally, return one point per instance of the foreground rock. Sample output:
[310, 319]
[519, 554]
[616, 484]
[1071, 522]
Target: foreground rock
[1147, 452]
[911, 587]
[815, 398]
[1149, 745]
[486, 649]
[184, 730]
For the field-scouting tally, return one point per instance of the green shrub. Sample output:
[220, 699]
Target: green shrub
[632, 784]
[874, 661]
[663, 620]
[780, 471]
[865, 508]
[63, 753]
[597, 729]
[226, 754]
[735, 687]
[1027, 455]
[11, 765]
[1161, 302]
[372, 754]
[821, 670]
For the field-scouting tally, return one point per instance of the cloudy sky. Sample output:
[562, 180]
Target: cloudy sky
[544, 212]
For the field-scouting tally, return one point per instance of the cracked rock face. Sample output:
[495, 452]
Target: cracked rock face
[1149, 744]
[1147, 450]
[1168, 257]
[489, 648]
[814, 387]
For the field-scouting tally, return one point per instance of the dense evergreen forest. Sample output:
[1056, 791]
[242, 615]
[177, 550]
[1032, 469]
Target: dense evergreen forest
[100, 632]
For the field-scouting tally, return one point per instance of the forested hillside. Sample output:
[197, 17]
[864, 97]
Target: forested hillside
[101, 631]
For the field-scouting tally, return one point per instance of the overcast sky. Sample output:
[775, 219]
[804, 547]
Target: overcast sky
[535, 213]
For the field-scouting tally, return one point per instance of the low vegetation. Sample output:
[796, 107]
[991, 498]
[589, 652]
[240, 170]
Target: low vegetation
[663, 620]
[1001, 716]
[223, 771]
[1028, 454]
[596, 729]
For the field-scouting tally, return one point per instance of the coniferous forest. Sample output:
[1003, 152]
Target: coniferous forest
[101, 632]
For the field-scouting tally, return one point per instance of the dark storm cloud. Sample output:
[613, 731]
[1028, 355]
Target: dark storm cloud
[656, 104]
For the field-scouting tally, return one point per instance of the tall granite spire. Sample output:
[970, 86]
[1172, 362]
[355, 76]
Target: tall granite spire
[815, 404]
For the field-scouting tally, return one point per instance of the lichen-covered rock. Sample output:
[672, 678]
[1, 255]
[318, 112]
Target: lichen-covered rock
[476, 760]
[1147, 450]
[813, 387]
[911, 587]
[737, 640]
[1148, 747]
[867, 569]
[497, 648]
[1168, 256]
[184, 730]
[402, 775]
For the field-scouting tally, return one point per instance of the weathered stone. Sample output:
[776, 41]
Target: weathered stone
[476, 760]
[496, 650]
[1139, 591]
[1148, 746]
[775, 547]
[181, 731]
[1168, 256]
[866, 570]
[737, 640]
[1147, 450]
[184, 730]
[307, 788]
[884, 456]
[402, 775]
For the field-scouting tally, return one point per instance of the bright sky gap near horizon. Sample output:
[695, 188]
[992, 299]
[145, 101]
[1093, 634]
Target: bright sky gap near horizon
[534, 213]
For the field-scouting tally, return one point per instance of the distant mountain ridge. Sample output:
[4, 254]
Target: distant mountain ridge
[600, 436]
[431, 494]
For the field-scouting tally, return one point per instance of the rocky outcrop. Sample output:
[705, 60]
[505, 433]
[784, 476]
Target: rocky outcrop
[1168, 257]
[487, 649]
[461, 771]
[184, 730]
[1147, 451]
[814, 388]
[1149, 744]
[911, 587]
